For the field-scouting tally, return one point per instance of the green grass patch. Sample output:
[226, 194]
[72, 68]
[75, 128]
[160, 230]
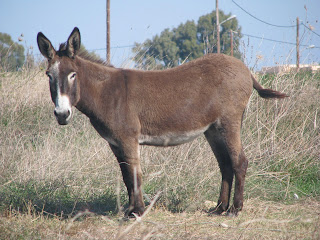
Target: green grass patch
[308, 181]
[55, 198]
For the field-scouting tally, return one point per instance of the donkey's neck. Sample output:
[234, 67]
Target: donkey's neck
[93, 78]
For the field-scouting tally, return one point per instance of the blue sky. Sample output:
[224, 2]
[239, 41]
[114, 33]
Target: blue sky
[136, 21]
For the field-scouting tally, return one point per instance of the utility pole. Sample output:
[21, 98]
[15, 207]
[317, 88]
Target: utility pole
[218, 26]
[298, 43]
[108, 32]
[231, 41]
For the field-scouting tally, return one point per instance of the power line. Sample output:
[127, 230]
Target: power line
[310, 29]
[277, 41]
[274, 25]
[97, 49]
[100, 49]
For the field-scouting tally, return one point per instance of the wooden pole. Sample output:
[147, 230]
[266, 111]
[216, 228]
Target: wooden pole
[108, 32]
[231, 42]
[218, 26]
[298, 43]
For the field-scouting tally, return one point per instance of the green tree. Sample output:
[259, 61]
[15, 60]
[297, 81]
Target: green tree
[187, 42]
[208, 33]
[11, 54]
[160, 51]
[186, 37]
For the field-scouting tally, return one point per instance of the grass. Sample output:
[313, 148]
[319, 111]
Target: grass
[64, 182]
[261, 220]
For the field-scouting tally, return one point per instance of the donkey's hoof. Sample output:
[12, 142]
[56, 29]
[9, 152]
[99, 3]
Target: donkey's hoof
[134, 213]
[233, 212]
[216, 211]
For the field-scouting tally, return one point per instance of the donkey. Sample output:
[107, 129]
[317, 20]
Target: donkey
[129, 108]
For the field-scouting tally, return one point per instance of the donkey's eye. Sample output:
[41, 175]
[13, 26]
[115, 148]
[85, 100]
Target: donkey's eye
[72, 76]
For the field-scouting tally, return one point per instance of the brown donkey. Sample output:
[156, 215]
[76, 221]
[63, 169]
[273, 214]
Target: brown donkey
[129, 108]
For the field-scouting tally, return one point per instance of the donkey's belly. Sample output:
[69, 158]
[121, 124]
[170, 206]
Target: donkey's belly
[171, 139]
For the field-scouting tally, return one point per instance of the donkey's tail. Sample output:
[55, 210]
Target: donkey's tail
[266, 92]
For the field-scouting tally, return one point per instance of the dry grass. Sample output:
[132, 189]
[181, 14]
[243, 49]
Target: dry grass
[49, 173]
[260, 220]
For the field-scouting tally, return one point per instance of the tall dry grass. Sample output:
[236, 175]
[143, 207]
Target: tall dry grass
[70, 168]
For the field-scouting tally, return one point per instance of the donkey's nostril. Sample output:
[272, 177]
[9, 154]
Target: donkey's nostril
[62, 113]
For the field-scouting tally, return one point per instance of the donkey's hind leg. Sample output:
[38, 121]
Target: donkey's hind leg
[219, 148]
[231, 135]
[240, 168]
[226, 145]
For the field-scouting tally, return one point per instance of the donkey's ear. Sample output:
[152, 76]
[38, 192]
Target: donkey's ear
[45, 46]
[73, 43]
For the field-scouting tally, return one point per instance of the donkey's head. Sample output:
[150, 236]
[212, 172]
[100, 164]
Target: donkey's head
[62, 73]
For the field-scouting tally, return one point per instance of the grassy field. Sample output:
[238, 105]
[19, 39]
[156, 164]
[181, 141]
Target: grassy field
[63, 182]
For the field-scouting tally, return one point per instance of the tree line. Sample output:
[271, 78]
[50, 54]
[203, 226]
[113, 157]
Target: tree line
[186, 42]
[172, 47]
[11, 54]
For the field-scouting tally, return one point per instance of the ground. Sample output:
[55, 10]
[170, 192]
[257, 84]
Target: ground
[259, 220]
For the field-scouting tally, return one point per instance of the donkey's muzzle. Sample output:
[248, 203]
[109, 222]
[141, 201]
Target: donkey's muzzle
[62, 116]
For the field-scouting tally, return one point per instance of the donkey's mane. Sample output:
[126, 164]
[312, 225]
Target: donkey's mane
[83, 53]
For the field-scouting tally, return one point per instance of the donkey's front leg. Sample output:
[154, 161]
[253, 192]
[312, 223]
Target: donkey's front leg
[129, 161]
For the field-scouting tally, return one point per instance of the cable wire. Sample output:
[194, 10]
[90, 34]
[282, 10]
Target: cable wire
[274, 25]
[310, 29]
[277, 41]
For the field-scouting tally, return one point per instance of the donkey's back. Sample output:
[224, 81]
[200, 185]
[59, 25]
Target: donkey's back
[185, 101]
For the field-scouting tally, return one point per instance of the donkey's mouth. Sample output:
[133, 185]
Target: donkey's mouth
[63, 117]
[62, 121]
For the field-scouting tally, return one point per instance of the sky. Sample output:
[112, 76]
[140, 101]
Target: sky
[136, 21]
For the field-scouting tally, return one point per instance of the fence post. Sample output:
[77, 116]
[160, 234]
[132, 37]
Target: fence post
[218, 26]
[298, 43]
[108, 31]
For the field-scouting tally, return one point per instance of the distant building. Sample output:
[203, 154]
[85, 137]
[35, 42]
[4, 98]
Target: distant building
[291, 67]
